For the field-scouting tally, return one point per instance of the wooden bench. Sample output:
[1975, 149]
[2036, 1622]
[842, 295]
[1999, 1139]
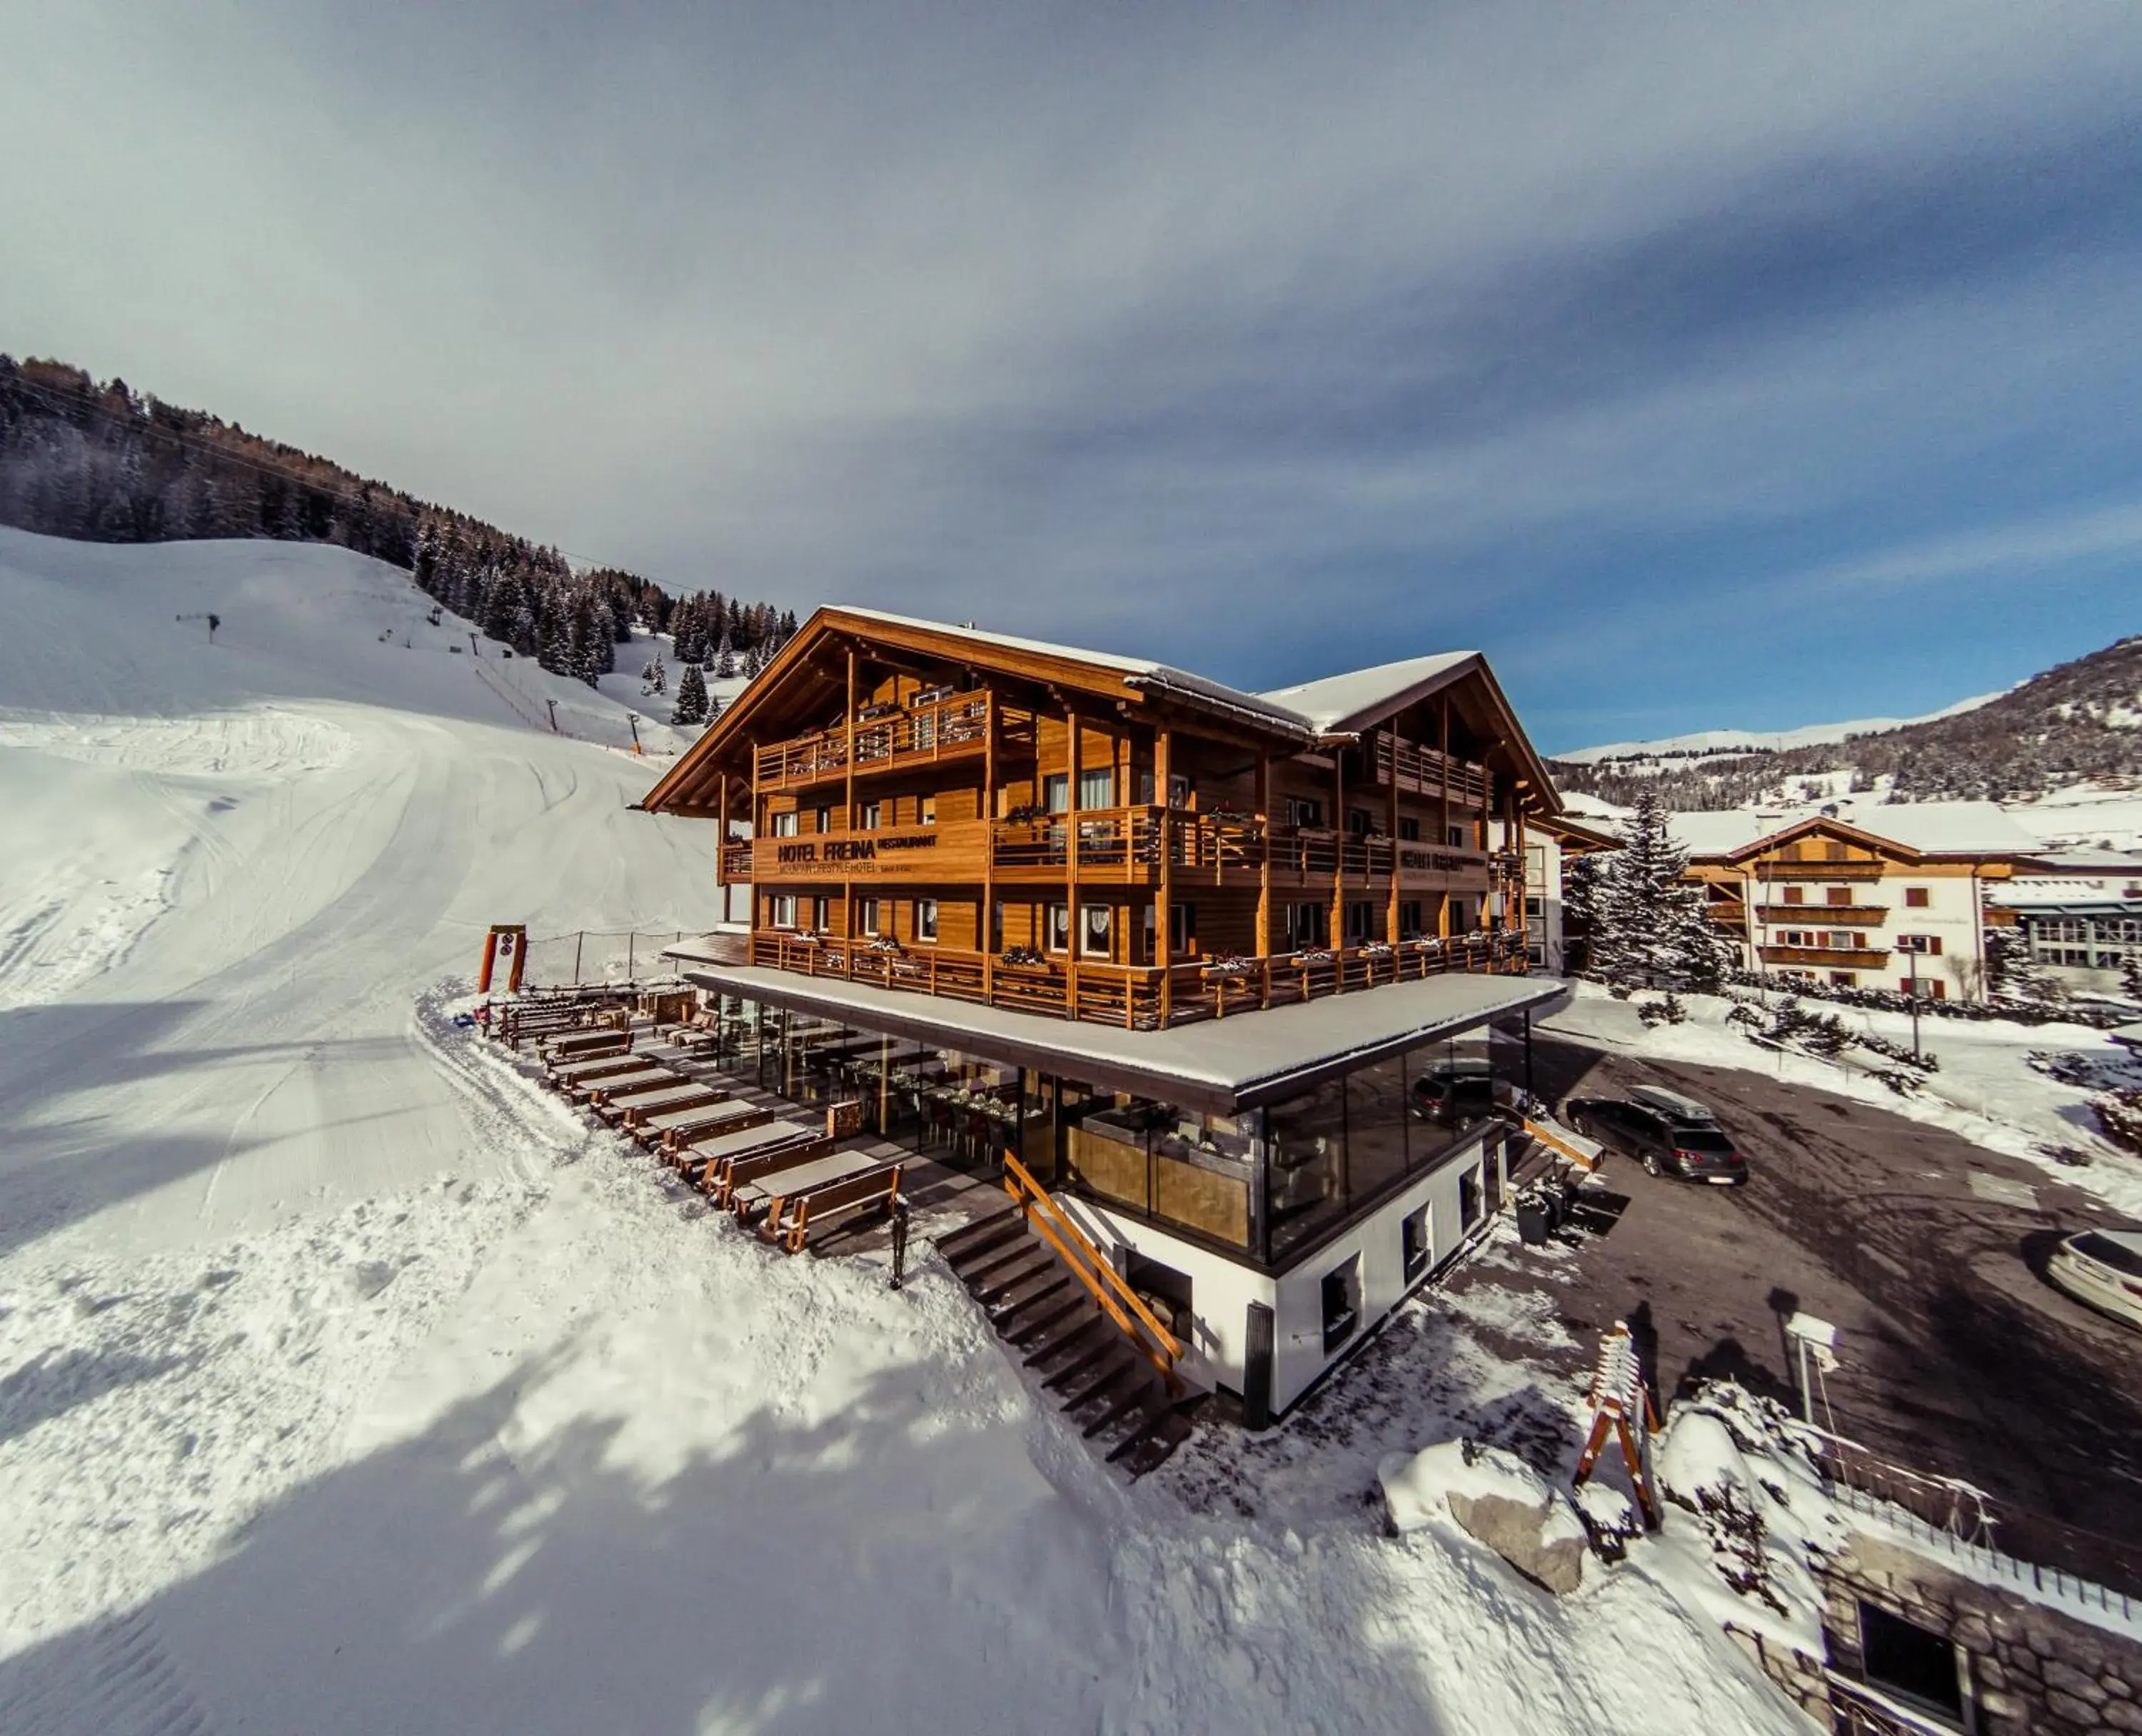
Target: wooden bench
[579, 1045]
[650, 1127]
[721, 1177]
[567, 1074]
[791, 1218]
[765, 1187]
[684, 1094]
[716, 1120]
[604, 1094]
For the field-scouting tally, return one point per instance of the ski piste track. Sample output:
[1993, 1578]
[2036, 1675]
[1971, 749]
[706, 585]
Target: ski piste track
[111, 1679]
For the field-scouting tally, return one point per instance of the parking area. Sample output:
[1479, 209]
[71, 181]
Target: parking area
[1925, 1251]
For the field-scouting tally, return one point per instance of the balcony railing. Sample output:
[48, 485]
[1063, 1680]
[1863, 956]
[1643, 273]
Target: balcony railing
[1799, 916]
[950, 728]
[1135, 997]
[1835, 957]
[1428, 771]
[1129, 845]
[1780, 869]
[733, 867]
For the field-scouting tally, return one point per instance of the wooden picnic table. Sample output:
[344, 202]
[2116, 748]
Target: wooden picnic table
[836, 1166]
[661, 1121]
[575, 1072]
[750, 1139]
[612, 1086]
[686, 1094]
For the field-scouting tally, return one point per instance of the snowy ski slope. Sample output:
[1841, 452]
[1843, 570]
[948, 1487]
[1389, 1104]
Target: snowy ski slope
[347, 1384]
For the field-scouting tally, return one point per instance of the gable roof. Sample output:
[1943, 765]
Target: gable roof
[1340, 704]
[1918, 828]
[1137, 672]
[1299, 717]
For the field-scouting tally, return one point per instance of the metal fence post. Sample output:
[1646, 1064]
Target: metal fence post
[578, 940]
[631, 940]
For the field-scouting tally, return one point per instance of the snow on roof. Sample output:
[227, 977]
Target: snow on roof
[1235, 1062]
[1329, 703]
[2058, 892]
[1933, 828]
[1139, 670]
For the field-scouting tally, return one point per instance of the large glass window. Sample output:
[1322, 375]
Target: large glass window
[1163, 1162]
[1305, 1165]
[1056, 791]
[1096, 787]
[1376, 1118]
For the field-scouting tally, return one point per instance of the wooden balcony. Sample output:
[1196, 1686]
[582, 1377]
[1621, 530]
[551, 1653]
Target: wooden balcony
[1428, 770]
[1829, 958]
[1779, 869]
[956, 728]
[1135, 997]
[1115, 846]
[732, 865]
[1801, 916]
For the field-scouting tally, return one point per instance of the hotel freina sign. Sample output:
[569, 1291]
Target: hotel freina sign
[921, 855]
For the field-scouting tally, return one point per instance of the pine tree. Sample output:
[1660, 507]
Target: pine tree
[691, 706]
[2014, 973]
[725, 663]
[1648, 923]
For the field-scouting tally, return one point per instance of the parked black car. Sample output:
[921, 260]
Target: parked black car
[1698, 1150]
[1454, 1092]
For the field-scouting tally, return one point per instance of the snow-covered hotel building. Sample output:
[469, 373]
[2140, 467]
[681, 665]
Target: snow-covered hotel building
[1861, 894]
[1188, 953]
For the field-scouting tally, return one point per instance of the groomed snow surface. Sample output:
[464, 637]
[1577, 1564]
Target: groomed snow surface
[347, 1383]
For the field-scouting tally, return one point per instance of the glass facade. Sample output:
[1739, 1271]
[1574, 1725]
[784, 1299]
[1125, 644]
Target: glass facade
[1267, 1182]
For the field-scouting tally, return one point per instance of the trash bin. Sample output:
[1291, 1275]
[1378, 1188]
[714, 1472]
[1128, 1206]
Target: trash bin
[1536, 1218]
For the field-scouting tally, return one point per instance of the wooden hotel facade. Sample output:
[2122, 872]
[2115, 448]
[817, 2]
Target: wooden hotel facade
[989, 819]
[1187, 955]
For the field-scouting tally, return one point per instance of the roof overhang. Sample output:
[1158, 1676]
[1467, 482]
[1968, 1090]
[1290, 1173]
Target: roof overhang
[1222, 1065]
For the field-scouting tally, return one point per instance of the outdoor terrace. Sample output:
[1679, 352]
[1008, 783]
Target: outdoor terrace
[1134, 997]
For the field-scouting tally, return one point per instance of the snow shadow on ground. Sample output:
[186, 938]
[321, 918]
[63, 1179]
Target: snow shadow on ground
[61, 1168]
[471, 1578]
[55, 1384]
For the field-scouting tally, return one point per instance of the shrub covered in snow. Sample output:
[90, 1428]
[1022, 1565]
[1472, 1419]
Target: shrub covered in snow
[2119, 1114]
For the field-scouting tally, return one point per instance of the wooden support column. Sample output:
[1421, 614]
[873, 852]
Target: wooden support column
[757, 831]
[1336, 934]
[1163, 916]
[1264, 865]
[1443, 825]
[848, 825]
[989, 817]
[1071, 866]
[1391, 926]
[1525, 891]
[721, 856]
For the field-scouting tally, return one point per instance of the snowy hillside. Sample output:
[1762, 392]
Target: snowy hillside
[230, 867]
[1727, 741]
[2074, 726]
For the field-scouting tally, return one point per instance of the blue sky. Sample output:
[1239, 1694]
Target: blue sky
[1750, 367]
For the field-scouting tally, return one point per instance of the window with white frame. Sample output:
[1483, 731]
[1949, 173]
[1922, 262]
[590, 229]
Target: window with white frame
[1056, 927]
[1056, 793]
[781, 909]
[929, 814]
[925, 919]
[824, 819]
[867, 917]
[781, 825]
[869, 817]
[1306, 812]
[1096, 930]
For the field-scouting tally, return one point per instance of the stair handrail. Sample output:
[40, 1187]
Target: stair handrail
[1125, 1306]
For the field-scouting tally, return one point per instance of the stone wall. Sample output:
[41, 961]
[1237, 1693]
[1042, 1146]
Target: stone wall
[2030, 1669]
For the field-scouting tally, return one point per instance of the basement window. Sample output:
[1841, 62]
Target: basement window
[1342, 1304]
[1416, 1243]
[1913, 1663]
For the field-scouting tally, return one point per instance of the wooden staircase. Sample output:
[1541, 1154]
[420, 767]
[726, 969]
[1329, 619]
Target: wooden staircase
[1068, 1315]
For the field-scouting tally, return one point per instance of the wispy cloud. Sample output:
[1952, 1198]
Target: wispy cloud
[1276, 338]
